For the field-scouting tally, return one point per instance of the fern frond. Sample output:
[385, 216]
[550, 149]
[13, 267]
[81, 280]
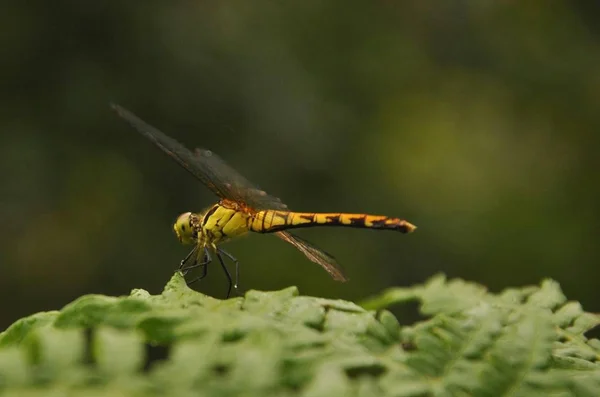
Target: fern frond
[521, 342]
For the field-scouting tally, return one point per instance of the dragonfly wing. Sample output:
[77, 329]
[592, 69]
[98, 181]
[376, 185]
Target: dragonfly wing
[315, 254]
[209, 168]
[237, 186]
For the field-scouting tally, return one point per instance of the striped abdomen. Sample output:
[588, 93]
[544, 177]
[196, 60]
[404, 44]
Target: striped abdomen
[270, 221]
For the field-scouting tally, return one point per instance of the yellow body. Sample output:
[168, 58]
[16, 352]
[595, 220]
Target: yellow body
[228, 219]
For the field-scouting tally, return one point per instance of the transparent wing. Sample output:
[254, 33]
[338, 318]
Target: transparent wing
[315, 254]
[217, 175]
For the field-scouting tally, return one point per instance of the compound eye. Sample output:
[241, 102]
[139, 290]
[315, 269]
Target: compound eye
[183, 229]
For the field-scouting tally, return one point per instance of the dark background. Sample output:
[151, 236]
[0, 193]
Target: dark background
[476, 120]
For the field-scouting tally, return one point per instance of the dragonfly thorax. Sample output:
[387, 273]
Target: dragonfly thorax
[186, 227]
[219, 223]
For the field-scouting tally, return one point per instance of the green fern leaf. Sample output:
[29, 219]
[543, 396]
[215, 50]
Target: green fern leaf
[522, 342]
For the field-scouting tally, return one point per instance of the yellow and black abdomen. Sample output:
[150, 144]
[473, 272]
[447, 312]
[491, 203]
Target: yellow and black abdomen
[270, 221]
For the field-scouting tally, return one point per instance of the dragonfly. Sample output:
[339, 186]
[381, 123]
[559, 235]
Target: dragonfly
[243, 208]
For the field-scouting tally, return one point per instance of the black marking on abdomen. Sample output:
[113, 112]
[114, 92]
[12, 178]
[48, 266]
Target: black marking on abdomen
[380, 224]
[286, 217]
[358, 221]
[334, 218]
[310, 218]
[264, 217]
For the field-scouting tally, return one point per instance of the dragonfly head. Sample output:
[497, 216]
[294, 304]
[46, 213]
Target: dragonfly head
[186, 228]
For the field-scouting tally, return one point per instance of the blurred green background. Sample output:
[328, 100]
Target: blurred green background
[476, 120]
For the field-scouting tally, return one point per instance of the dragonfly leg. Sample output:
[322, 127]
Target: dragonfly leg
[236, 285]
[182, 268]
[219, 251]
[200, 277]
[207, 259]
[204, 264]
